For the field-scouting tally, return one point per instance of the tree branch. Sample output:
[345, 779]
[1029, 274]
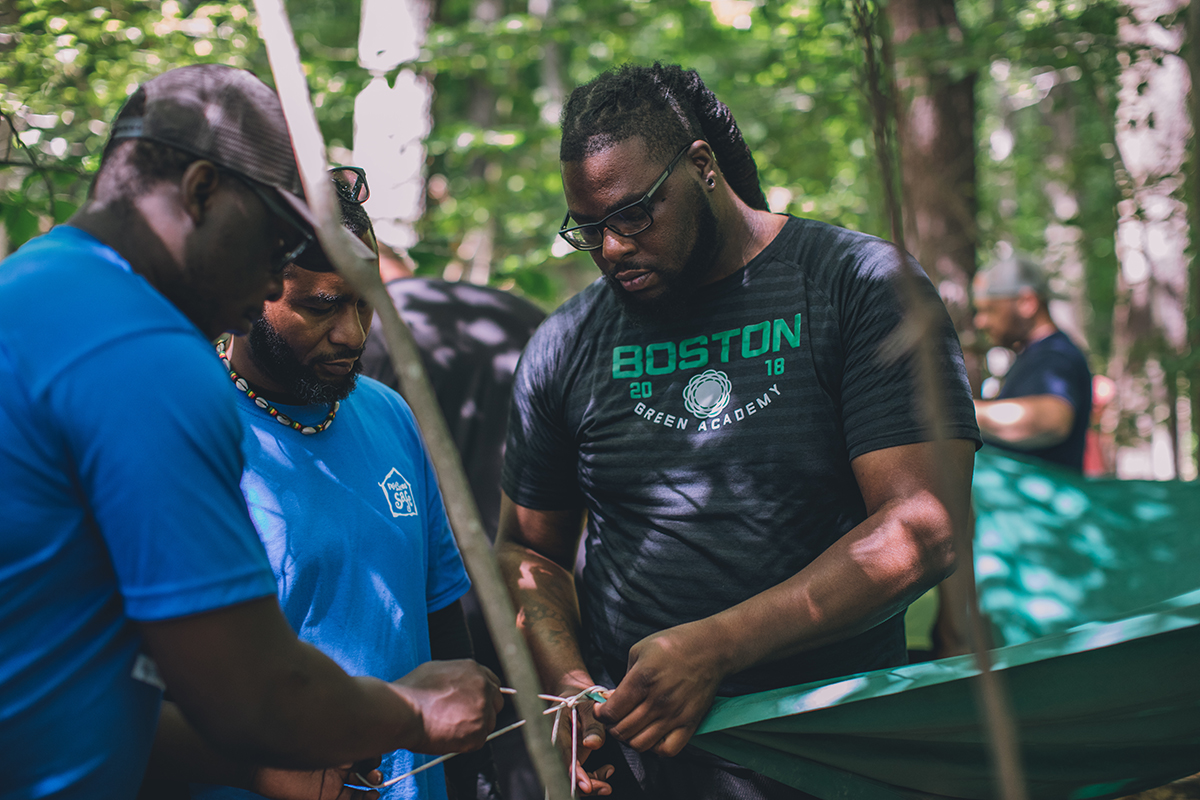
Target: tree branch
[33, 163]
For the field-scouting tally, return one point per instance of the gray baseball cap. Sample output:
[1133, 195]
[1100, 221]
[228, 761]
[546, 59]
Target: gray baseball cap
[227, 116]
[1008, 276]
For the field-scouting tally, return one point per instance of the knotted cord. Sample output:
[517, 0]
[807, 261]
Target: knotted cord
[596, 694]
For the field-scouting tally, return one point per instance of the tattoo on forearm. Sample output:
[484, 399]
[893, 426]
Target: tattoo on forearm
[546, 622]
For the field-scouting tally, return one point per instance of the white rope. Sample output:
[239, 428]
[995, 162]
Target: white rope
[569, 704]
[594, 693]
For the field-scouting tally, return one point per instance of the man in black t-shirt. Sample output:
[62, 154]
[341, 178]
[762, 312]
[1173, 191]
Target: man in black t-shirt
[761, 492]
[1045, 404]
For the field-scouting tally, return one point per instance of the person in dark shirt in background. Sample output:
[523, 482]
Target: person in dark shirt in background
[1045, 404]
[1043, 408]
[470, 338]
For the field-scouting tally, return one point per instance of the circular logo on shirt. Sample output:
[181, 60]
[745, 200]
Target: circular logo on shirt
[707, 394]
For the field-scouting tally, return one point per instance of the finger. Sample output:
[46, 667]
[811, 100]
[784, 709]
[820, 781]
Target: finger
[491, 676]
[628, 695]
[365, 765]
[635, 721]
[599, 780]
[591, 782]
[674, 742]
[591, 733]
[649, 736]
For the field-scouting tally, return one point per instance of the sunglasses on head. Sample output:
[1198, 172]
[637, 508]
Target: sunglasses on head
[351, 183]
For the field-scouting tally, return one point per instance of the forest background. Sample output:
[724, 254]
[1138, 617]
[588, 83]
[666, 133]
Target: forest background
[1057, 128]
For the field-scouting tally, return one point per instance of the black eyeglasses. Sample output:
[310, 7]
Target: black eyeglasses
[629, 220]
[351, 183]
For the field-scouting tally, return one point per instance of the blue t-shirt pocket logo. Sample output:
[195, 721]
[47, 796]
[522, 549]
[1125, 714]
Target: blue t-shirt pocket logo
[399, 494]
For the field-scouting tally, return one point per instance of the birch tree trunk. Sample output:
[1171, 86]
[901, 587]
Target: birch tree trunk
[391, 123]
[1150, 334]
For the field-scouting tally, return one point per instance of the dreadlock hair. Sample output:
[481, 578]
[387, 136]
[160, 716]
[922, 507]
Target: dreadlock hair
[668, 107]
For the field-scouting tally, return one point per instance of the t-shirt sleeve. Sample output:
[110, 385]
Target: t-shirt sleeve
[447, 579]
[155, 434]
[883, 401]
[541, 455]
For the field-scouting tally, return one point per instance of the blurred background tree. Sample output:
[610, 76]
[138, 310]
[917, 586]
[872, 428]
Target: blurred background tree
[1014, 120]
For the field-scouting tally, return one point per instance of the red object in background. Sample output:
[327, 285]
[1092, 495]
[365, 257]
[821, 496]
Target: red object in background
[1099, 458]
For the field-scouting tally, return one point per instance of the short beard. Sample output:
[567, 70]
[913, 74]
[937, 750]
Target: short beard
[275, 358]
[671, 304]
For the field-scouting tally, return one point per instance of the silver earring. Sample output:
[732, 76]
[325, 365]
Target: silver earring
[711, 182]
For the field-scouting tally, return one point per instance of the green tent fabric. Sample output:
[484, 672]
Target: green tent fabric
[1093, 590]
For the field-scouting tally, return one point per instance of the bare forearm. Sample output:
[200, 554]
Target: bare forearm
[868, 576]
[181, 756]
[319, 716]
[547, 614]
[251, 688]
[917, 496]
[1027, 423]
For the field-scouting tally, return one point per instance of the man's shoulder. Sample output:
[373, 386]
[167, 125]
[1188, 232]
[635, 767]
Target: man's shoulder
[830, 254]
[84, 281]
[1057, 346]
[76, 279]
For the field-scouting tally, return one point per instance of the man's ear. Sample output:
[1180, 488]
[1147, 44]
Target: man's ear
[1028, 303]
[199, 184]
[703, 159]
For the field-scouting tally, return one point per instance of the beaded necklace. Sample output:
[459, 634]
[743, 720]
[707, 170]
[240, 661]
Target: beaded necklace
[283, 419]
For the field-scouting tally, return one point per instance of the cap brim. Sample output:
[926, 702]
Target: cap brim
[313, 258]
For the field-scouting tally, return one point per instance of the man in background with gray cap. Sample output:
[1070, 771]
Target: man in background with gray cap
[1045, 403]
[127, 558]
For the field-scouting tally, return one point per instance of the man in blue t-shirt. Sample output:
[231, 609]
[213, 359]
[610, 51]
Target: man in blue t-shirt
[763, 494]
[344, 497]
[127, 559]
[1045, 403]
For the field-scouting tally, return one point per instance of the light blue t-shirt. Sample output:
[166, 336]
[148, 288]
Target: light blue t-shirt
[119, 470]
[353, 522]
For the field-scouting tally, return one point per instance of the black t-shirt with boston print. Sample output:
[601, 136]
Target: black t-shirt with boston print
[713, 454]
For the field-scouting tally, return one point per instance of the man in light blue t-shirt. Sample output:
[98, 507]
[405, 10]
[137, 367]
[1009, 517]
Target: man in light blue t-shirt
[127, 559]
[344, 496]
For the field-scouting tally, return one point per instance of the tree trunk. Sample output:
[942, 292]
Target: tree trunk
[1150, 334]
[936, 131]
[391, 123]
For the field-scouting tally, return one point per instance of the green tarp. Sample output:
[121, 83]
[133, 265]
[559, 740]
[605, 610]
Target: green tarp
[1092, 588]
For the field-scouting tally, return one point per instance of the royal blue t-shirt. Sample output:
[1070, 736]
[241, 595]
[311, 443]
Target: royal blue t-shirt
[1054, 365]
[353, 522]
[119, 471]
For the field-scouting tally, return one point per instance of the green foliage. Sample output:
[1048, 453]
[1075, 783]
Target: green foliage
[789, 69]
[68, 65]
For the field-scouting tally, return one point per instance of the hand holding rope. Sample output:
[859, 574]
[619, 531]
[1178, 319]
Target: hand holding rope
[596, 694]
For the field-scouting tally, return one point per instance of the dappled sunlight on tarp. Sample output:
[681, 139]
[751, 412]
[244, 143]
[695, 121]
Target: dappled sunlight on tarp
[1054, 549]
[1094, 588]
